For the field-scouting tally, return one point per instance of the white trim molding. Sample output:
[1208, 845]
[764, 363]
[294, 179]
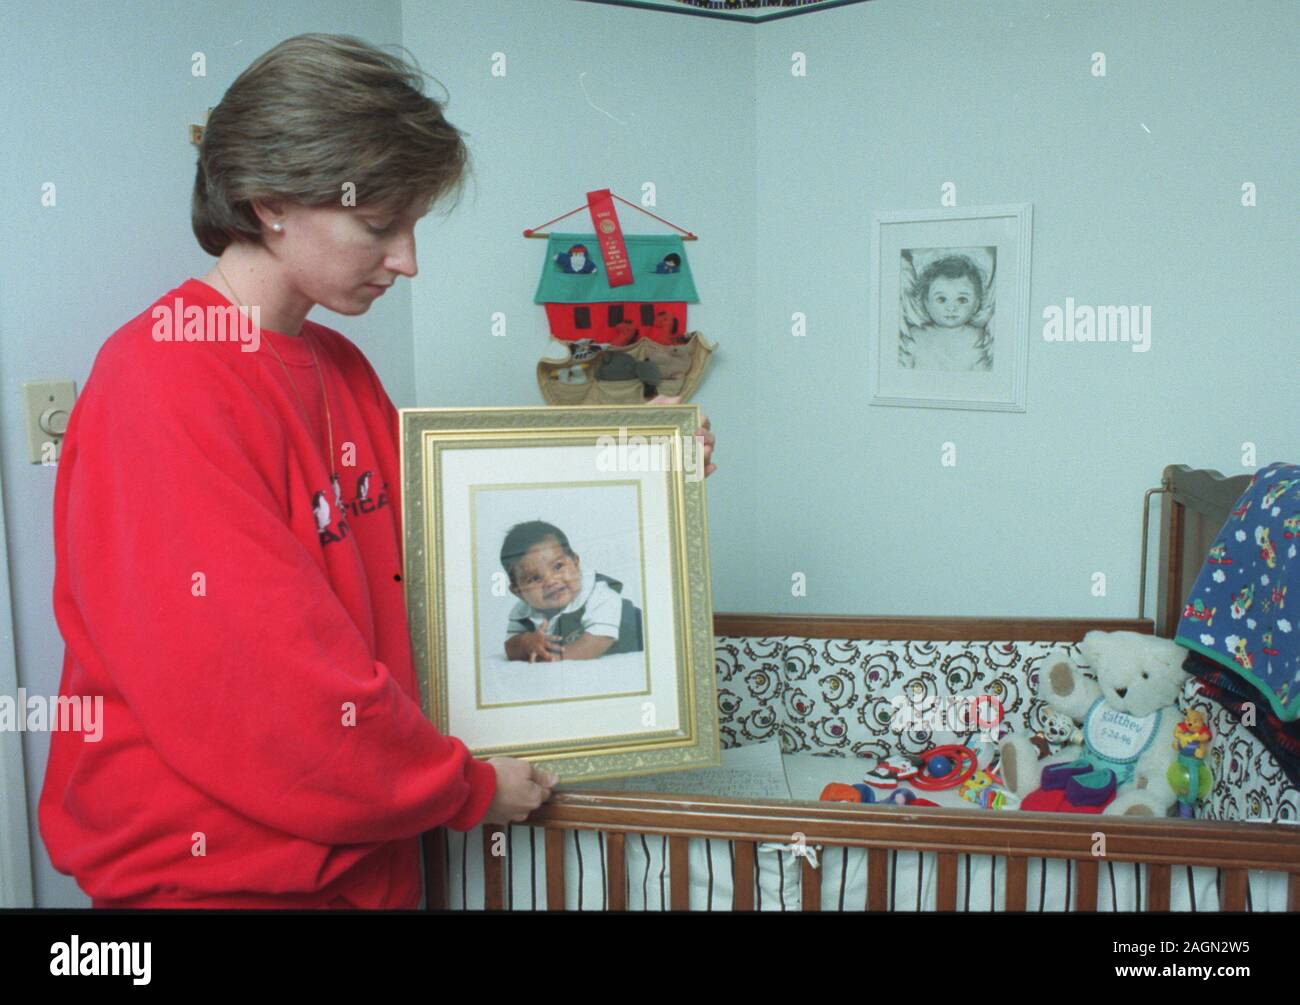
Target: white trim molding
[15, 844]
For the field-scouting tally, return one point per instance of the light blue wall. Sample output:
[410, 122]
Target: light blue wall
[998, 98]
[594, 97]
[97, 98]
[780, 175]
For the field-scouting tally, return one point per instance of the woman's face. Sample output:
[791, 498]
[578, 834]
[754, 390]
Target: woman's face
[341, 256]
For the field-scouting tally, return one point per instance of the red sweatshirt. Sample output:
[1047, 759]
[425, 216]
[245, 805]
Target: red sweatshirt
[263, 743]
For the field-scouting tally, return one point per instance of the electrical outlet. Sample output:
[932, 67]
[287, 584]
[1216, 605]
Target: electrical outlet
[48, 406]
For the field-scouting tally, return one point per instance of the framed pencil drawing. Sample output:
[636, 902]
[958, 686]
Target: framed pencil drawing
[557, 584]
[950, 307]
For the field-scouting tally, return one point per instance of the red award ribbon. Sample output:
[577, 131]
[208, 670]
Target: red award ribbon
[618, 270]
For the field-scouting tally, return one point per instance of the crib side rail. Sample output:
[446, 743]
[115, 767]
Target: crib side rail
[920, 629]
[1089, 841]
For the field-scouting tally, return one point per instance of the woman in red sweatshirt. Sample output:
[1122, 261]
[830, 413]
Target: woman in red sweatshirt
[227, 531]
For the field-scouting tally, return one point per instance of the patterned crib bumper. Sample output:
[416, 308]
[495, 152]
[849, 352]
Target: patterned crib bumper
[842, 698]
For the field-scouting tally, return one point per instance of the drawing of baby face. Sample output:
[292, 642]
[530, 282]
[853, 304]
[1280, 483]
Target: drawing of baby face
[546, 577]
[951, 301]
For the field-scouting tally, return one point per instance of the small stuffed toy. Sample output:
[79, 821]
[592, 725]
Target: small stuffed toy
[623, 366]
[1126, 718]
[584, 349]
[673, 361]
[1057, 729]
[575, 374]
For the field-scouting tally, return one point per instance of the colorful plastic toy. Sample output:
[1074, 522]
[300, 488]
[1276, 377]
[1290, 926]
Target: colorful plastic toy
[1190, 776]
[979, 790]
[892, 770]
[938, 770]
[838, 792]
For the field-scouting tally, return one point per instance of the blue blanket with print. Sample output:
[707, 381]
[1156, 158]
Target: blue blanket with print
[1241, 612]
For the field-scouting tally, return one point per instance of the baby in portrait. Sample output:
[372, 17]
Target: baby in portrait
[565, 611]
[951, 291]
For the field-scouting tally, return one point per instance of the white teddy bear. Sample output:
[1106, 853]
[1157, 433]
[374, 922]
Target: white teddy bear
[1127, 719]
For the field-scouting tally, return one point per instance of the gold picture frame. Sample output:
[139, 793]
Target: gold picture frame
[619, 489]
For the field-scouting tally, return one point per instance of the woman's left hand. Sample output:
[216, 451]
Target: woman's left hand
[704, 435]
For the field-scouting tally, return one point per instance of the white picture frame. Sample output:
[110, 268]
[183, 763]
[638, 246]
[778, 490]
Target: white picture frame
[949, 307]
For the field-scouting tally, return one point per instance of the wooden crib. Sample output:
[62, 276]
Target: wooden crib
[1194, 506]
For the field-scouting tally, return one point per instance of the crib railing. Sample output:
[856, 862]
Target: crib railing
[1159, 844]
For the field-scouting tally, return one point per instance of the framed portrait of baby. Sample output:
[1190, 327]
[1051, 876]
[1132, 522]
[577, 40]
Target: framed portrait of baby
[557, 584]
[949, 307]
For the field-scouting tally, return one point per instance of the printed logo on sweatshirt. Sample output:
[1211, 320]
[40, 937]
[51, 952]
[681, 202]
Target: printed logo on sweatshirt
[359, 506]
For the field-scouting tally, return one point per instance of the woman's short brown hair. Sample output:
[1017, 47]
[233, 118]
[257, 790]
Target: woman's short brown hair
[310, 116]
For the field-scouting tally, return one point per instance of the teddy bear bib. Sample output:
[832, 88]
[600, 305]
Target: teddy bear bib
[1113, 741]
[1116, 739]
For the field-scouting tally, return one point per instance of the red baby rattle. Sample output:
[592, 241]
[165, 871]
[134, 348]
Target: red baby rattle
[938, 770]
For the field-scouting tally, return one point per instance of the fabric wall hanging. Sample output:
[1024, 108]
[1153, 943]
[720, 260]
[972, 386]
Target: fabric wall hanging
[616, 307]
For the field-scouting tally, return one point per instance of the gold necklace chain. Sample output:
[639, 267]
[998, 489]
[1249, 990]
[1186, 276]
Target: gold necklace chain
[329, 458]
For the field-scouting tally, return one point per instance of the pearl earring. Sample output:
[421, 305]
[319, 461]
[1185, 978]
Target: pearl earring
[276, 226]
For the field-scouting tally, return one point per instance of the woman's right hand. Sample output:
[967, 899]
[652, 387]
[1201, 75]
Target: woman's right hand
[521, 788]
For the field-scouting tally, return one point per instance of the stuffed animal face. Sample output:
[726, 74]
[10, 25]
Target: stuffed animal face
[1138, 674]
[1057, 727]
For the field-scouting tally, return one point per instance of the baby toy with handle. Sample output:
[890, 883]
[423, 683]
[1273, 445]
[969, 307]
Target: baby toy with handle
[1190, 776]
